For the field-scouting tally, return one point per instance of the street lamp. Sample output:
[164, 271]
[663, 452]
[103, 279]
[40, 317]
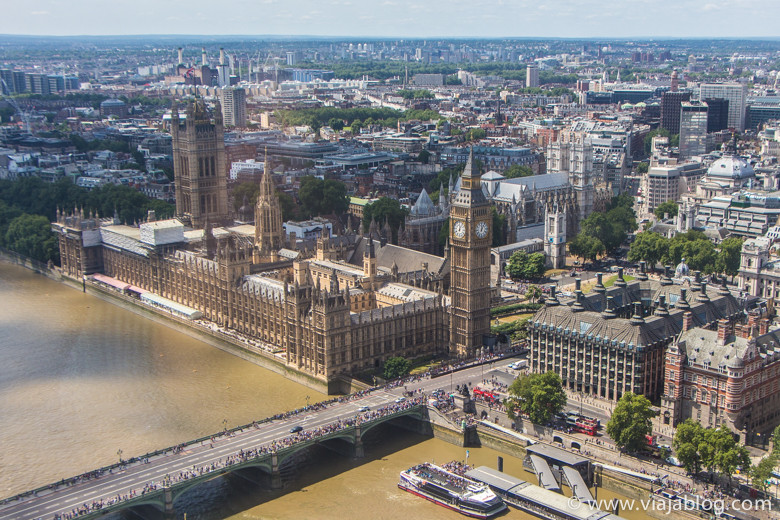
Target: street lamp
[307, 401]
[119, 454]
[224, 424]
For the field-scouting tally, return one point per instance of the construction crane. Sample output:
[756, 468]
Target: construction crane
[24, 115]
[276, 61]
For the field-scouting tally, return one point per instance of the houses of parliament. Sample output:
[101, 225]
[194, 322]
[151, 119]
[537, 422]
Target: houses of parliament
[335, 306]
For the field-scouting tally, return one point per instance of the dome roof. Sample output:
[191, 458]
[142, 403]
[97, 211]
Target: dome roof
[731, 167]
[682, 269]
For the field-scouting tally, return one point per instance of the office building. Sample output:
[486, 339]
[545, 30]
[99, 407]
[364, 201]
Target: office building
[693, 129]
[532, 75]
[729, 376]
[670, 110]
[234, 106]
[717, 114]
[735, 93]
[613, 340]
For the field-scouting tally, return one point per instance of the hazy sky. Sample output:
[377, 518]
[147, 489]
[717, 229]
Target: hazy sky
[397, 18]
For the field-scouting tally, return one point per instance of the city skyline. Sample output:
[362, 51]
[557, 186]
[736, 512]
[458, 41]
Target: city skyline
[402, 18]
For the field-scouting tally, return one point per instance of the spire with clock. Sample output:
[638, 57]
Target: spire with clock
[471, 235]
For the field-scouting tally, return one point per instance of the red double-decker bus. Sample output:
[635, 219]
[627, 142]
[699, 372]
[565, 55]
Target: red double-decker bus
[585, 427]
[485, 395]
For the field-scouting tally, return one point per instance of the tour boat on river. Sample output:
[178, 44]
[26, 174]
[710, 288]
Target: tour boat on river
[451, 490]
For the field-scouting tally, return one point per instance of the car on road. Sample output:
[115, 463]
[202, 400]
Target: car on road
[400, 399]
[519, 365]
[363, 409]
[296, 429]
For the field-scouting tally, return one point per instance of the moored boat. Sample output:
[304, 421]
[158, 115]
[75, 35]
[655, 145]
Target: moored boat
[451, 490]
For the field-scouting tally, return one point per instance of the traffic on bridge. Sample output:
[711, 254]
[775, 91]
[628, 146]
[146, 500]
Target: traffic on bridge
[156, 479]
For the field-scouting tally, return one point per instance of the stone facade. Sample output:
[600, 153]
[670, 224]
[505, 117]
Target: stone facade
[199, 166]
[471, 225]
[612, 341]
[326, 316]
[726, 376]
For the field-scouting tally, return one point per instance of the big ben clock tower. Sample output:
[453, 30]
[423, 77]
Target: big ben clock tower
[471, 235]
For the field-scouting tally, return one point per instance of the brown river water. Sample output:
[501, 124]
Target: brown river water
[82, 379]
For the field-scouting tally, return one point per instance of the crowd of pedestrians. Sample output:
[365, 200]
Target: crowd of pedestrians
[243, 455]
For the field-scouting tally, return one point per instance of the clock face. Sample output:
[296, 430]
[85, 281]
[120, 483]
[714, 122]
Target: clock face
[459, 230]
[481, 230]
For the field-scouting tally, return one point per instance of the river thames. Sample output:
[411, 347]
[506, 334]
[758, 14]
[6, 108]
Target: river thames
[83, 381]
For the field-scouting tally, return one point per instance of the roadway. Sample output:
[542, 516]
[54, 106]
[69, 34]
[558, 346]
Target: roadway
[132, 479]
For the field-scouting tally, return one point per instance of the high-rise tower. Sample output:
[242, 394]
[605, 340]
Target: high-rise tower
[471, 234]
[199, 166]
[268, 215]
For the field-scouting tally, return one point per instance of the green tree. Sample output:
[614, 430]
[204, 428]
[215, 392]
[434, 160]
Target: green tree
[586, 247]
[533, 293]
[729, 257]
[624, 200]
[384, 209]
[336, 124]
[642, 168]
[396, 367]
[762, 472]
[688, 436]
[525, 266]
[322, 197]
[698, 251]
[728, 453]
[499, 229]
[669, 207]
[517, 170]
[648, 246]
[649, 138]
[539, 395]
[630, 422]
[475, 134]
[245, 191]
[288, 205]
[31, 236]
[424, 156]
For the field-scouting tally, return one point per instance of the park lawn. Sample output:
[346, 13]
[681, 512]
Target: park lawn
[608, 282]
[555, 272]
[514, 317]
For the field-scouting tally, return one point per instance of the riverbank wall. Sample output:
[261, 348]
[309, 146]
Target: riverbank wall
[195, 330]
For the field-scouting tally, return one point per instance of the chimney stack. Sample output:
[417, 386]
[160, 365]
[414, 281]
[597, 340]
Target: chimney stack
[639, 316]
[687, 321]
[723, 331]
[578, 284]
[552, 300]
[642, 271]
[661, 310]
[620, 282]
[203, 59]
[599, 283]
[682, 303]
[763, 326]
[703, 297]
[181, 56]
[609, 312]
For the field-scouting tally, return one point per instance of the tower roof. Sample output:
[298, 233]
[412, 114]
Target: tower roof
[424, 206]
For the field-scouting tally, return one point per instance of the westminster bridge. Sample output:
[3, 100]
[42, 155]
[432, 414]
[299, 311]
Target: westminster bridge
[158, 479]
